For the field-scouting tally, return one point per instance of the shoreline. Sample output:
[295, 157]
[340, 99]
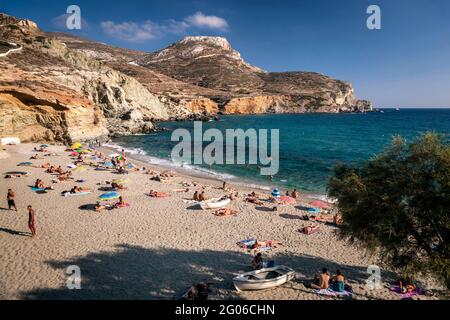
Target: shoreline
[201, 173]
[157, 248]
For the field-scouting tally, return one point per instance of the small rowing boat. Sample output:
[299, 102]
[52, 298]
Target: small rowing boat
[214, 203]
[264, 278]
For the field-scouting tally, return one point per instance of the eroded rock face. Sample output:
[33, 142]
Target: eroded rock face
[33, 118]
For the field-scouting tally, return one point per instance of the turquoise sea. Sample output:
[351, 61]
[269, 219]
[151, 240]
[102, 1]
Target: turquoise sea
[310, 144]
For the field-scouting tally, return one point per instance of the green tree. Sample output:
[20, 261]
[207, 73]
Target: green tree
[399, 203]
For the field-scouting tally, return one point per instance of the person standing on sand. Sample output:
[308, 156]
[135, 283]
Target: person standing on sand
[11, 202]
[31, 222]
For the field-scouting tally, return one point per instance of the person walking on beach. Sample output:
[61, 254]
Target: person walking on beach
[31, 222]
[11, 202]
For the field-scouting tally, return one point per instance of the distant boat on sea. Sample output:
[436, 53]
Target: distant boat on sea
[397, 109]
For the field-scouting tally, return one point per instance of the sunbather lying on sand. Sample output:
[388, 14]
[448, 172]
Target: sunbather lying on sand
[157, 194]
[40, 185]
[118, 186]
[269, 243]
[309, 229]
[121, 203]
[99, 207]
[159, 179]
[254, 201]
[167, 174]
[35, 157]
[329, 218]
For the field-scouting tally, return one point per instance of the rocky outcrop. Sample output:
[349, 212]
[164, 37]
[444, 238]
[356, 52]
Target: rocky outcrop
[36, 118]
[44, 60]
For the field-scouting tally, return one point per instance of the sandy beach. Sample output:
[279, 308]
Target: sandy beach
[156, 248]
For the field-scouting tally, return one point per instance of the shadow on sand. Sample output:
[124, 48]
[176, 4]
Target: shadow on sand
[15, 233]
[133, 272]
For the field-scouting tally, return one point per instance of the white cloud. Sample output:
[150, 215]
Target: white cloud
[203, 21]
[131, 31]
[148, 30]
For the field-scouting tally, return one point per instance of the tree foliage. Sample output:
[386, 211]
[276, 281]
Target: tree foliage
[399, 202]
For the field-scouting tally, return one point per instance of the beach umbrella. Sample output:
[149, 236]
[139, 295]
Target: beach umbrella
[44, 146]
[320, 204]
[25, 164]
[74, 154]
[287, 200]
[79, 169]
[276, 193]
[76, 145]
[121, 181]
[109, 196]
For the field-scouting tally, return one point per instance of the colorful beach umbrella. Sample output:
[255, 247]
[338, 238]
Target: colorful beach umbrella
[109, 196]
[287, 200]
[276, 193]
[320, 204]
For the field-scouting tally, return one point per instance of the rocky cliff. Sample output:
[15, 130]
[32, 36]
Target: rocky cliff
[59, 87]
[122, 104]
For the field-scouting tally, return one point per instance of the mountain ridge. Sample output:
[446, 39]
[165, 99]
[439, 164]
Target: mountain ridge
[125, 91]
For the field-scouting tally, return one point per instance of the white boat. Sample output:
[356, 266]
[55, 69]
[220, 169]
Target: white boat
[264, 278]
[214, 203]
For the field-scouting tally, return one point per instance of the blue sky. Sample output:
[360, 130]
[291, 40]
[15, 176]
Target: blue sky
[406, 63]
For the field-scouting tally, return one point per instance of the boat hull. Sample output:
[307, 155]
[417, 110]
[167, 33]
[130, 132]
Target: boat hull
[243, 283]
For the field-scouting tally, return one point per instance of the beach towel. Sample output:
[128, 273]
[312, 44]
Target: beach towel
[246, 243]
[331, 293]
[38, 189]
[68, 194]
[407, 295]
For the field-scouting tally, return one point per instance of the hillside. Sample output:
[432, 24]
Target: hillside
[58, 87]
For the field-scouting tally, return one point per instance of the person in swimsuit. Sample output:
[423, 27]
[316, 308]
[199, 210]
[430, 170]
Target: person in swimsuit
[10, 198]
[321, 281]
[31, 222]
